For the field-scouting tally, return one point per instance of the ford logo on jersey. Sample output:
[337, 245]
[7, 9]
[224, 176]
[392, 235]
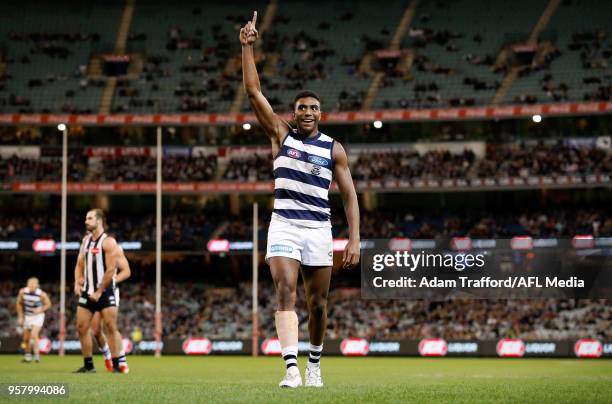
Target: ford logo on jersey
[317, 160]
[294, 153]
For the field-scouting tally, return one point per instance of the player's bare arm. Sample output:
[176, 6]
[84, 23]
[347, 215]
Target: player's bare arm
[275, 127]
[344, 180]
[123, 267]
[44, 297]
[109, 247]
[19, 307]
[79, 274]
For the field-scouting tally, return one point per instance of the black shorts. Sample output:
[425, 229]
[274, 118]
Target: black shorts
[108, 299]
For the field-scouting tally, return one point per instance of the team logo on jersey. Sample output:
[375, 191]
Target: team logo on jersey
[316, 170]
[294, 153]
[95, 250]
[317, 160]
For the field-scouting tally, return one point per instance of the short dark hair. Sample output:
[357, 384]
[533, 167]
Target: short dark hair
[304, 94]
[99, 214]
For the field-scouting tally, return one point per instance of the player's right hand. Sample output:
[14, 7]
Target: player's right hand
[248, 33]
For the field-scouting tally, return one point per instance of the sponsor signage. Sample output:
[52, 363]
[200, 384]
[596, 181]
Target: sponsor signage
[521, 243]
[429, 347]
[491, 112]
[433, 347]
[400, 244]
[583, 241]
[354, 347]
[271, 346]
[218, 246]
[197, 346]
[384, 347]
[9, 245]
[228, 346]
[461, 243]
[462, 348]
[588, 348]
[44, 246]
[540, 348]
[510, 348]
[44, 345]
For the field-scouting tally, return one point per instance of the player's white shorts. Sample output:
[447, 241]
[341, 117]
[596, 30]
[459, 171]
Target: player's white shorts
[35, 320]
[310, 246]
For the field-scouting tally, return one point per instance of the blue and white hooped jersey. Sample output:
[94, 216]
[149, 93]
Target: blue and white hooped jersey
[303, 172]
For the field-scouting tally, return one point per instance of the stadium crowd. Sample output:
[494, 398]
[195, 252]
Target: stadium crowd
[500, 161]
[196, 309]
[504, 160]
[184, 229]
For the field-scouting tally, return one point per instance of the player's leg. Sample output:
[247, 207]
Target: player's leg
[317, 261]
[34, 341]
[316, 286]
[109, 319]
[27, 346]
[83, 319]
[96, 330]
[123, 365]
[285, 275]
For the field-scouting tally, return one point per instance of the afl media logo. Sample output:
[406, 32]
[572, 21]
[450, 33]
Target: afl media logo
[294, 153]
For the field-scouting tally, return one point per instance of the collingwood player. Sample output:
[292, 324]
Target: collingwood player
[32, 302]
[95, 286]
[123, 272]
[299, 237]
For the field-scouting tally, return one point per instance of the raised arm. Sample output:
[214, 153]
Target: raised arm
[275, 127]
[344, 180]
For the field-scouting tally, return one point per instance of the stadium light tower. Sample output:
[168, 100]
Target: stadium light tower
[378, 124]
[158, 244]
[62, 326]
[537, 118]
[246, 126]
[255, 262]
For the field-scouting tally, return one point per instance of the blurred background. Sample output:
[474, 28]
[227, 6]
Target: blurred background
[482, 119]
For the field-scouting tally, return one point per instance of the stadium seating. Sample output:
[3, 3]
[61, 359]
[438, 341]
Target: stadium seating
[583, 64]
[328, 46]
[47, 57]
[200, 310]
[186, 49]
[189, 54]
[452, 41]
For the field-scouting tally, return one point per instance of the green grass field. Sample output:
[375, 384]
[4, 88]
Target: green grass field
[355, 380]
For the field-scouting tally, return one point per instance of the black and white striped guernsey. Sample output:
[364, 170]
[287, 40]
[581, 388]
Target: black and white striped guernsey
[95, 263]
[32, 300]
[303, 173]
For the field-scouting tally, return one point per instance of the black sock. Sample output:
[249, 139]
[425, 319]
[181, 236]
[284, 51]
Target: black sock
[115, 363]
[88, 363]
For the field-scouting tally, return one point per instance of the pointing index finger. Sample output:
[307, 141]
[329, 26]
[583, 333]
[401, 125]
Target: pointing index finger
[254, 20]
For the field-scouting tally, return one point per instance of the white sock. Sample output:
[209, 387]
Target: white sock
[314, 356]
[290, 356]
[106, 351]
